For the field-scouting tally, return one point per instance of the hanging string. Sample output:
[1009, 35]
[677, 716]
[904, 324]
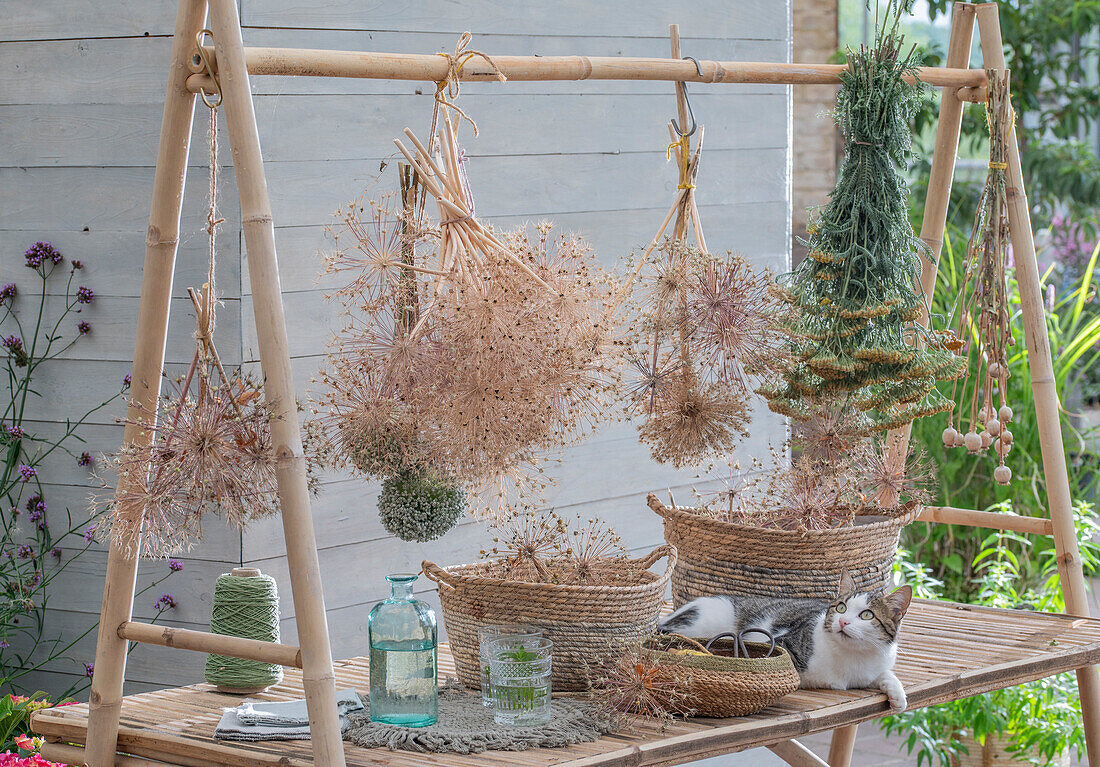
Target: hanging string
[246, 604]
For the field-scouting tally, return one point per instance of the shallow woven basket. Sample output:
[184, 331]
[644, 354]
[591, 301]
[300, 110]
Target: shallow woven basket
[719, 557]
[719, 685]
[584, 622]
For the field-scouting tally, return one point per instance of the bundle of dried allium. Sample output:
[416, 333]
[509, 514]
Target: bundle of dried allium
[705, 332]
[589, 547]
[524, 542]
[628, 681]
[491, 373]
[206, 455]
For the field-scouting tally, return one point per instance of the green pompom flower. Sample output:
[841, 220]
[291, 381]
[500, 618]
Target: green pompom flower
[419, 507]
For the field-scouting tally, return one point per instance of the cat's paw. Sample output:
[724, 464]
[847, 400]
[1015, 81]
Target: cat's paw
[895, 693]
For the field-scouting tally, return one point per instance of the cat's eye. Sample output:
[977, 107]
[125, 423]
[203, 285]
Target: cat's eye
[867, 615]
[841, 607]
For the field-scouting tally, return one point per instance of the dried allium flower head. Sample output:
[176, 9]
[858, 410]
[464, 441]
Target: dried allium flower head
[731, 502]
[730, 316]
[208, 452]
[589, 546]
[525, 541]
[371, 242]
[629, 681]
[833, 434]
[695, 421]
[894, 477]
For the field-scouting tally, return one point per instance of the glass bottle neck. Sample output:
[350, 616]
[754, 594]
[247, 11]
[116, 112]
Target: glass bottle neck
[401, 591]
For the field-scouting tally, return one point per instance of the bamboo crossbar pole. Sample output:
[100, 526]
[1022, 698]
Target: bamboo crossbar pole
[66, 753]
[204, 641]
[797, 755]
[949, 515]
[374, 65]
[1044, 390]
[161, 244]
[318, 677]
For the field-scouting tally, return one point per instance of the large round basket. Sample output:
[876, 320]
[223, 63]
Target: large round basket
[719, 557]
[584, 622]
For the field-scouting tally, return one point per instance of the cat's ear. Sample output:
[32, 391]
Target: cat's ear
[898, 601]
[847, 583]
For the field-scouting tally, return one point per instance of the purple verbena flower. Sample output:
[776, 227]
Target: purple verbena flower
[15, 432]
[35, 516]
[89, 669]
[40, 252]
[13, 343]
[84, 327]
[55, 552]
[4, 644]
[8, 291]
[175, 565]
[36, 503]
[85, 459]
[166, 602]
[126, 381]
[84, 295]
[27, 473]
[89, 533]
[24, 551]
[78, 264]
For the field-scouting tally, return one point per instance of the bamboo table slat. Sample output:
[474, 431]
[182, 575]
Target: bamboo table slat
[947, 651]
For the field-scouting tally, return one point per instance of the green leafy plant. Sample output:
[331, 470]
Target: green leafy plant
[1040, 720]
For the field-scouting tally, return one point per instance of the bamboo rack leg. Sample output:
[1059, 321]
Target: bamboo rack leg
[259, 236]
[842, 746]
[1044, 388]
[940, 177]
[152, 329]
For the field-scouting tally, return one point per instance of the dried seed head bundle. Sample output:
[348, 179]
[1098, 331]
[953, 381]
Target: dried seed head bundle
[630, 681]
[982, 308]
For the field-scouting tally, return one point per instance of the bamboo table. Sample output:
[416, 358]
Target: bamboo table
[947, 651]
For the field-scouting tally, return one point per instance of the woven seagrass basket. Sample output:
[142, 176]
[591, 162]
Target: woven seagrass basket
[720, 685]
[719, 557]
[584, 622]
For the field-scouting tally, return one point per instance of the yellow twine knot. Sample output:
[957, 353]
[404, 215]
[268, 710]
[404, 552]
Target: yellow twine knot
[446, 90]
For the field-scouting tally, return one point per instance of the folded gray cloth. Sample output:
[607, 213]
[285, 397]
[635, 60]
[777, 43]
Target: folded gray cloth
[256, 720]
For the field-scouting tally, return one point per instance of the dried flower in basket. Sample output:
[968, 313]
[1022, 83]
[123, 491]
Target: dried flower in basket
[981, 309]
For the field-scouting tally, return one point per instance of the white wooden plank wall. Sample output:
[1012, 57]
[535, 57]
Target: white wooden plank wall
[79, 119]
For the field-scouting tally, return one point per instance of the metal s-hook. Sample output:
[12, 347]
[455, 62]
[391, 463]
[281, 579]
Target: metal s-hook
[201, 58]
[687, 100]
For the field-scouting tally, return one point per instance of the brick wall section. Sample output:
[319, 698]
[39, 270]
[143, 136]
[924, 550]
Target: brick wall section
[813, 136]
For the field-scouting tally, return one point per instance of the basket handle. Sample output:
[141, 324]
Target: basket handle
[664, 550]
[437, 574]
[658, 507]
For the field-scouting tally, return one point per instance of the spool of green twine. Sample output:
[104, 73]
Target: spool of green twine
[246, 604]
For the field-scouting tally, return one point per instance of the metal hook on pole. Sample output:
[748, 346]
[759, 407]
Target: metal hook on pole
[199, 57]
[687, 101]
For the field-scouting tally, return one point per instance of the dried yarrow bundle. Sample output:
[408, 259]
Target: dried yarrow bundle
[467, 354]
[705, 333]
[854, 301]
[210, 452]
[981, 309]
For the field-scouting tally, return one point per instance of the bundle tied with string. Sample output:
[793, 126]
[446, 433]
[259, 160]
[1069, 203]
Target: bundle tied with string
[853, 303]
[469, 355]
[246, 604]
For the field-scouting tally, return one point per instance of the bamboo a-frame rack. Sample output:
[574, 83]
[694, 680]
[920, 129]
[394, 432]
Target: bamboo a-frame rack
[233, 65]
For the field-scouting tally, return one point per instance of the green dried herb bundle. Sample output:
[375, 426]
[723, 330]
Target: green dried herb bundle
[853, 302]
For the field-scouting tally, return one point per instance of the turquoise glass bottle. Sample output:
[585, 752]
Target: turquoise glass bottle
[402, 636]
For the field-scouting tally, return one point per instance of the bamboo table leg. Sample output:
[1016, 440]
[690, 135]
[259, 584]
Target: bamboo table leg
[152, 331]
[1044, 388]
[842, 746]
[259, 234]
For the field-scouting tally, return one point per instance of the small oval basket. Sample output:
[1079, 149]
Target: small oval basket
[731, 678]
[583, 621]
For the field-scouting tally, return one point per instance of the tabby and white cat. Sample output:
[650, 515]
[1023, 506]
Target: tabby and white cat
[845, 643]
